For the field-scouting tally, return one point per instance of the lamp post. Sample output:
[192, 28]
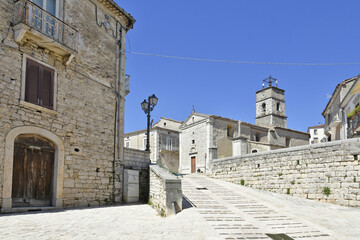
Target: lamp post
[147, 107]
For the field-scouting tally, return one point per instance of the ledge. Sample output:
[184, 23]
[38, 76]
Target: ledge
[31, 106]
[164, 174]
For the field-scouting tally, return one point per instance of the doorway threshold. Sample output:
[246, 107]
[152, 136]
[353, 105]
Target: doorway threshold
[27, 209]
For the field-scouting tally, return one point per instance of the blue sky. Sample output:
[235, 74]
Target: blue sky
[238, 30]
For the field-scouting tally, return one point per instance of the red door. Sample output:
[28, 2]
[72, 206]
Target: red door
[193, 164]
[32, 172]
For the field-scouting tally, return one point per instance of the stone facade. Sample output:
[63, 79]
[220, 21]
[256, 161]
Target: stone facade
[139, 160]
[317, 134]
[328, 172]
[203, 138]
[164, 142]
[165, 191]
[270, 107]
[336, 110]
[81, 122]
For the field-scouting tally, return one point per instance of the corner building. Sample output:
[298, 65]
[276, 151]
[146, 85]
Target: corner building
[62, 91]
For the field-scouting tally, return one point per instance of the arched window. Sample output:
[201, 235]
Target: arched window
[254, 151]
[257, 137]
[264, 107]
[229, 131]
[278, 106]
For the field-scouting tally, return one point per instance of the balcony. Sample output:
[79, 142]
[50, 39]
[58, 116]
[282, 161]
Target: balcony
[353, 127]
[31, 22]
[127, 84]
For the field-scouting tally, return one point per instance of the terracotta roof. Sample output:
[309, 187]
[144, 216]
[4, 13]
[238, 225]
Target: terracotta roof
[171, 120]
[222, 118]
[291, 130]
[317, 126]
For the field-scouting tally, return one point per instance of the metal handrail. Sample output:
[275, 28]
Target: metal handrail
[353, 124]
[39, 19]
[173, 172]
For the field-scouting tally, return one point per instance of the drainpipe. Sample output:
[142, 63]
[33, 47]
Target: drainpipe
[117, 128]
[119, 108]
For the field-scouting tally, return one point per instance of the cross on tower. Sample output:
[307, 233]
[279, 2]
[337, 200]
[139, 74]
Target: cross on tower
[269, 81]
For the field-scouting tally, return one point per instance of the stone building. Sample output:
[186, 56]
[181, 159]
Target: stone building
[164, 142]
[204, 138]
[270, 131]
[336, 110]
[62, 90]
[317, 134]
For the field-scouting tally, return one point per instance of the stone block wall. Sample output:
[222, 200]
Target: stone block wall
[139, 160]
[85, 100]
[165, 191]
[328, 172]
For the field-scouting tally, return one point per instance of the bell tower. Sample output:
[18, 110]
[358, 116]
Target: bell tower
[270, 104]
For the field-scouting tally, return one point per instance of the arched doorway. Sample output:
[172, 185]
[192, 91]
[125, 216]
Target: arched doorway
[58, 169]
[33, 171]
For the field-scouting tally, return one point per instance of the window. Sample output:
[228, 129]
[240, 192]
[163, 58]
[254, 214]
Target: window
[144, 143]
[315, 131]
[127, 144]
[287, 142]
[264, 107]
[39, 84]
[165, 124]
[229, 131]
[316, 140]
[47, 5]
[257, 137]
[169, 144]
[193, 141]
[277, 106]
[254, 151]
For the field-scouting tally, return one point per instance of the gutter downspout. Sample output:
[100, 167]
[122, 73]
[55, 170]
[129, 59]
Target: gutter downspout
[119, 108]
[117, 130]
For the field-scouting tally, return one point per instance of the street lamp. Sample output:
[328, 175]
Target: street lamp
[148, 106]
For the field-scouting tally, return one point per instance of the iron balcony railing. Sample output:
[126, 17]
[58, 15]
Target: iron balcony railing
[127, 83]
[353, 124]
[39, 19]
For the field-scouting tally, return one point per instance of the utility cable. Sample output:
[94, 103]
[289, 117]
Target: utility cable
[240, 62]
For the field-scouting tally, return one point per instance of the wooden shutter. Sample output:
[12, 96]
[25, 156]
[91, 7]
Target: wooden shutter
[39, 84]
[31, 82]
[47, 87]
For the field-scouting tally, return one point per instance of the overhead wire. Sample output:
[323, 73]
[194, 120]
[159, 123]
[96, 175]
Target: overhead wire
[240, 62]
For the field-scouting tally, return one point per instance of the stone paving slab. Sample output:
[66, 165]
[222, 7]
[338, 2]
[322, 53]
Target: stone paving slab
[247, 213]
[223, 211]
[115, 222]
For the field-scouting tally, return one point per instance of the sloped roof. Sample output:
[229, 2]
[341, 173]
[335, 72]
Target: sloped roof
[114, 7]
[207, 116]
[336, 91]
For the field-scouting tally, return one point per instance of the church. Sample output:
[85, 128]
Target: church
[204, 137]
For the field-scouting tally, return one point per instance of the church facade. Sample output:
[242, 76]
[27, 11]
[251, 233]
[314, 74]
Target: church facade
[204, 138]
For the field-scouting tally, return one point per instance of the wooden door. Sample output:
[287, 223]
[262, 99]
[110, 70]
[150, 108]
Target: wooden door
[32, 172]
[193, 164]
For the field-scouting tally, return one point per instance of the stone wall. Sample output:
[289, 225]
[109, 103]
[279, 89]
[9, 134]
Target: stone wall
[84, 114]
[139, 160]
[165, 191]
[328, 172]
[193, 143]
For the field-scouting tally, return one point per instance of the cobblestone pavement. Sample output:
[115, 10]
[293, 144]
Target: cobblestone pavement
[223, 211]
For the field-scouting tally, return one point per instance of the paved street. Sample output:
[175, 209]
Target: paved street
[223, 211]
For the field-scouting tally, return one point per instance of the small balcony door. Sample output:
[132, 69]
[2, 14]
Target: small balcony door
[47, 5]
[44, 21]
